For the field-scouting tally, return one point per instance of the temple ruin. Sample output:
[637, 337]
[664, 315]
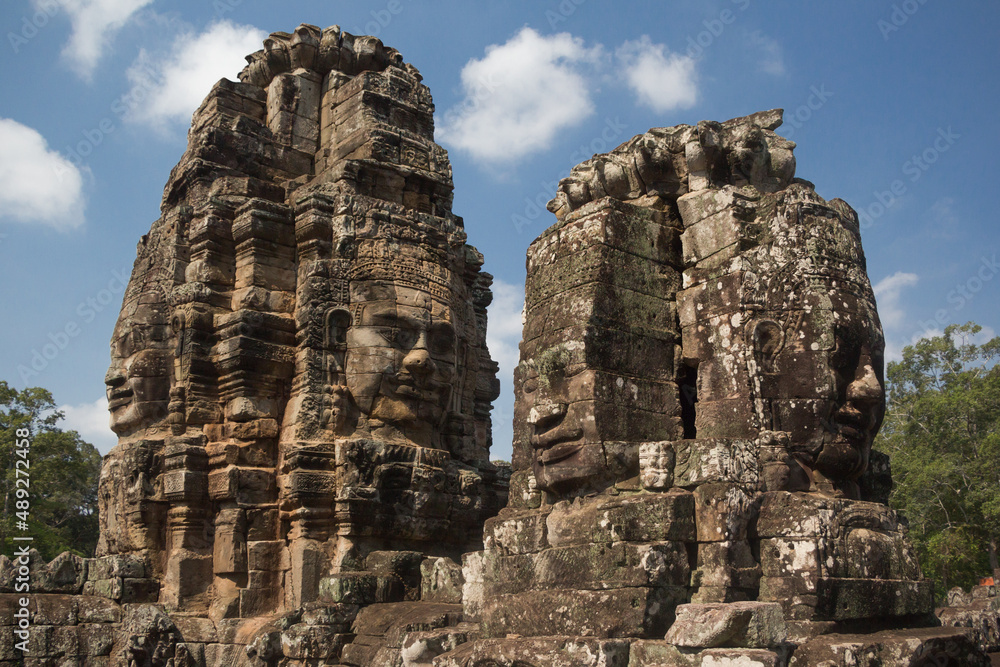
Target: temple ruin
[302, 393]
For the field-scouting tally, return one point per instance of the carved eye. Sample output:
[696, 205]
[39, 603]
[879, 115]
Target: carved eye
[399, 337]
[530, 385]
[441, 341]
[573, 369]
[133, 341]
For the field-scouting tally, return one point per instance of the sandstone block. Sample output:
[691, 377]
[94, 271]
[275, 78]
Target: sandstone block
[620, 612]
[360, 588]
[695, 206]
[540, 652]
[906, 648]
[736, 624]
[657, 517]
[658, 653]
[441, 580]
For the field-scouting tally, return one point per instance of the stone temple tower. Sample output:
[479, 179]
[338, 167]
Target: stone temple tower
[302, 392]
[299, 374]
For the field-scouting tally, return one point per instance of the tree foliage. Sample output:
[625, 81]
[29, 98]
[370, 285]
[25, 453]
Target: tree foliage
[942, 434]
[62, 472]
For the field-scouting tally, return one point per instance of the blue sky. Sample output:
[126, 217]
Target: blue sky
[893, 105]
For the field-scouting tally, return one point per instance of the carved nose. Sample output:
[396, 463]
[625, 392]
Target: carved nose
[114, 378]
[866, 388]
[546, 413]
[418, 362]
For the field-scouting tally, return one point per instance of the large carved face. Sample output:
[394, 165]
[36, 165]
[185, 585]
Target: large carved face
[138, 381]
[557, 390]
[401, 357]
[825, 381]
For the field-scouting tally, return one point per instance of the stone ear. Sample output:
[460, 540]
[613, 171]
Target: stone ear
[177, 325]
[768, 339]
[338, 321]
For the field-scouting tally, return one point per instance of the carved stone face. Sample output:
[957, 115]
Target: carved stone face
[826, 383]
[138, 381]
[559, 388]
[401, 358]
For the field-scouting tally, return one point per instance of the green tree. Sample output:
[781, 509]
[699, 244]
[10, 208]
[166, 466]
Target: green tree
[58, 471]
[942, 434]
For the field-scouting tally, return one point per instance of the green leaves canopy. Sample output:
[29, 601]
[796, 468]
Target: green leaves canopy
[942, 433]
[63, 475]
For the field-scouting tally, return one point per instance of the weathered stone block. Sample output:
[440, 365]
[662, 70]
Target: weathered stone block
[713, 460]
[658, 653]
[91, 609]
[844, 599]
[735, 624]
[695, 206]
[726, 418]
[906, 648]
[517, 532]
[310, 642]
[722, 297]
[654, 517]
[539, 652]
[184, 485]
[723, 511]
[97, 639]
[790, 557]
[620, 612]
[726, 565]
[420, 648]
[360, 588]
[441, 580]
[712, 234]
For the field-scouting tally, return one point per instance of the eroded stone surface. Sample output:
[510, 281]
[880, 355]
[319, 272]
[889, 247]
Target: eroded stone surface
[743, 624]
[949, 647]
[300, 381]
[699, 329]
[301, 389]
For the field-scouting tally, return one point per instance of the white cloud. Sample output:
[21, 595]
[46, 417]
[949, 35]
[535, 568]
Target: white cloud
[772, 59]
[503, 334]
[894, 348]
[94, 25]
[504, 330]
[167, 89]
[661, 80]
[520, 95]
[91, 420]
[37, 184]
[887, 292]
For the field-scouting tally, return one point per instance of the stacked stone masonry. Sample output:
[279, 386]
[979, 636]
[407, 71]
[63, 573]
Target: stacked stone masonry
[302, 392]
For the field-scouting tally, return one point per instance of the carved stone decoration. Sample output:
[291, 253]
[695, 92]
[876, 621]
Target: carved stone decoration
[299, 372]
[302, 392]
[699, 387]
